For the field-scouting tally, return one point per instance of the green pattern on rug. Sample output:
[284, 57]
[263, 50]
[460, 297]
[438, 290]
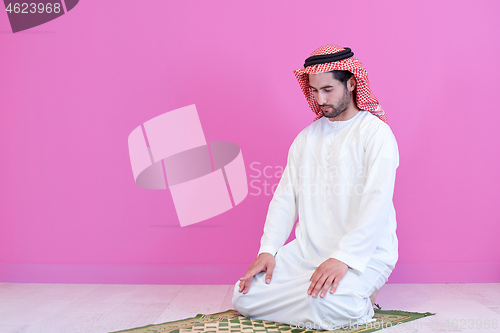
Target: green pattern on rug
[231, 321]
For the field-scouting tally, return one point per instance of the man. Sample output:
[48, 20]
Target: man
[339, 180]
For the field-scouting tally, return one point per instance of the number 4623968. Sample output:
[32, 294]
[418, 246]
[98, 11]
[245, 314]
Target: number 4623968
[25, 8]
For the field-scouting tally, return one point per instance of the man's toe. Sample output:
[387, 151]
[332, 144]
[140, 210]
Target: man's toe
[374, 296]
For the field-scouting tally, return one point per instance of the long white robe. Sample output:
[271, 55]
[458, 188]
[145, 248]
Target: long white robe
[339, 180]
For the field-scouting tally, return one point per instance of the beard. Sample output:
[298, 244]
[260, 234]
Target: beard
[338, 109]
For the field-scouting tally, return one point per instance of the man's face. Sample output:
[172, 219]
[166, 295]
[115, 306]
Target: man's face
[332, 96]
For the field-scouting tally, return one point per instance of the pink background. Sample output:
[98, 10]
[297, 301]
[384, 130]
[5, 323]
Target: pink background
[73, 89]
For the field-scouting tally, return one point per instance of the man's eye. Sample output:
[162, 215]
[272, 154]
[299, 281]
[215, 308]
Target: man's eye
[328, 90]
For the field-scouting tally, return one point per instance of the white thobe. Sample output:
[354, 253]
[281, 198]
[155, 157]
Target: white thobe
[339, 180]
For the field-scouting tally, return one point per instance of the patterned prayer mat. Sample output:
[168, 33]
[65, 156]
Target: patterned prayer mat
[231, 321]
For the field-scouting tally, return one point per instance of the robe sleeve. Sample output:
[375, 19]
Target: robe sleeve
[381, 160]
[283, 209]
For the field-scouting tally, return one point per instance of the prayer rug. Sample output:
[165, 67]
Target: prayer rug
[231, 321]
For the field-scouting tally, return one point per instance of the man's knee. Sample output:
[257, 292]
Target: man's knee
[240, 301]
[343, 308]
[247, 304]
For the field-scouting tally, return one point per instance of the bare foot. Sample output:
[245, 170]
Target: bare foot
[373, 297]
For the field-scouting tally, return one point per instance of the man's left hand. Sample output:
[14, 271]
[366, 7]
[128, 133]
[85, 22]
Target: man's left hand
[329, 272]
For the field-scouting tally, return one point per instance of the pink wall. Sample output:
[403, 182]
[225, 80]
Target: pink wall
[72, 90]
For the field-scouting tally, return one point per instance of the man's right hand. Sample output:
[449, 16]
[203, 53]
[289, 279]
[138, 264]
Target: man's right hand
[264, 262]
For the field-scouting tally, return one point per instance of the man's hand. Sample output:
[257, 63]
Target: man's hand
[264, 262]
[330, 271]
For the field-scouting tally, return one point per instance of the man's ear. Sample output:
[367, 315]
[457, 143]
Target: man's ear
[351, 83]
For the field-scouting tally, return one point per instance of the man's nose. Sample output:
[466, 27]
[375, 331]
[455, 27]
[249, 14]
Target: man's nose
[321, 99]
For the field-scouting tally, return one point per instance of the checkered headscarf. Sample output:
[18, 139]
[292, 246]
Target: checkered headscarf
[365, 100]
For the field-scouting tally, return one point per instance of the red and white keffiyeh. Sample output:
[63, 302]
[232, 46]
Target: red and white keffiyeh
[365, 100]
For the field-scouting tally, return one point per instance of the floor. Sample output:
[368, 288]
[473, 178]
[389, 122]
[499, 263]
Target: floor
[74, 308]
